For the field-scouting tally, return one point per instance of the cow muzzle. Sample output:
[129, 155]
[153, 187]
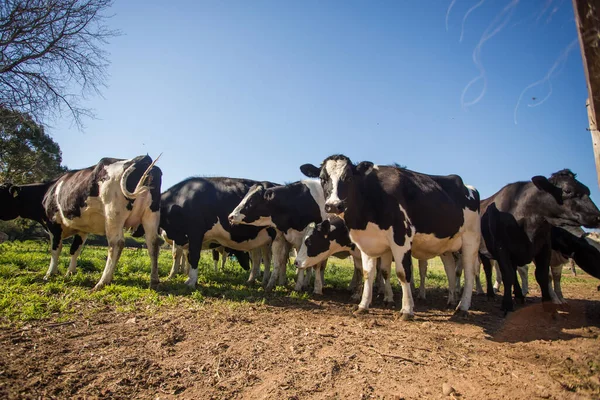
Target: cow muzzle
[337, 207]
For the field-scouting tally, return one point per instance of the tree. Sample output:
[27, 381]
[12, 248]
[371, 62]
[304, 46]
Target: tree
[27, 153]
[51, 55]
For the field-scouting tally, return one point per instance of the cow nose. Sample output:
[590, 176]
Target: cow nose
[231, 219]
[335, 208]
[295, 263]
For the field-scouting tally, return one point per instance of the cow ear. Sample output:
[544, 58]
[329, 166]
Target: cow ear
[324, 227]
[364, 167]
[310, 170]
[545, 185]
[269, 195]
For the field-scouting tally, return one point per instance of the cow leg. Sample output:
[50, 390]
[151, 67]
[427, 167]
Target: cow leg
[556, 276]
[56, 247]
[478, 286]
[356, 283]
[280, 256]
[184, 264]
[470, 262]
[450, 268]
[379, 284]
[369, 267]
[422, 276]
[195, 247]
[319, 277]
[301, 276]
[498, 280]
[572, 266]
[517, 289]
[116, 242]
[487, 269]
[282, 280]
[75, 251]
[266, 254]
[215, 256]
[177, 252]
[508, 275]
[255, 270]
[224, 254]
[151, 224]
[542, 268]
[458, 274]
[404, 274]
[524, 274]
[386, 270]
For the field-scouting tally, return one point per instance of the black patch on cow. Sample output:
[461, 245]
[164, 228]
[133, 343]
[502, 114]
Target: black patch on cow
[407, 264]
[77, 242]
[272, 233]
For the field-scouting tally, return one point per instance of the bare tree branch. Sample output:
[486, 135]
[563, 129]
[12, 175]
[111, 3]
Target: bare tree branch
[51, 55]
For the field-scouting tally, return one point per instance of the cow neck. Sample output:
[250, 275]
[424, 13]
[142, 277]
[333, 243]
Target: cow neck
[358, 209]
[298, 211]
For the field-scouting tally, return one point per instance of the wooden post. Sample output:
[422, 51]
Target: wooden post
[587, 20]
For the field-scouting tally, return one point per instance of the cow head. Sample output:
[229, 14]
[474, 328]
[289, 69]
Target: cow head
[254, 207]
[9, 201]
[337, 174]
[322, 240]
[569, 200]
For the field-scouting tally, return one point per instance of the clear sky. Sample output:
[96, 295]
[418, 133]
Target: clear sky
[256, 88]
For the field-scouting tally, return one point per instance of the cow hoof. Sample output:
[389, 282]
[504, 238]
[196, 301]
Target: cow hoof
[154, 285]
[361, 311]
[405, 316]
[99, 286]
[389, 304]
[269, 288]
[171, 276]
[69, 274]
[47, 277]
[451, 305]
[464, 314]
[190, 284]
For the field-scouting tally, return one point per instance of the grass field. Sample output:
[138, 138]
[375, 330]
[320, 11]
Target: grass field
[24, 295]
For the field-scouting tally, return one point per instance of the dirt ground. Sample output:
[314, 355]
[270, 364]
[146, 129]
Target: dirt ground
[292, 349]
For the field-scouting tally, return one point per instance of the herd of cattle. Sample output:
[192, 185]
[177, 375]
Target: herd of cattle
[375, 213]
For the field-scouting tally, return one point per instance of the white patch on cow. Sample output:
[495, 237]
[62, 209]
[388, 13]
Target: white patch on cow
[372, 240]
[471, 190]
[192, 278]
[219, 235]
[332, 228]
[334, 169]
[236, 214]
[316, 190]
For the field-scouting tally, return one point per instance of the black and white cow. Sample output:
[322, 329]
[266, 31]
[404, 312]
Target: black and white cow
[331, 238]
[290, 209]
[195, 212]
[102, 199]
[516, 226]
[408, 213]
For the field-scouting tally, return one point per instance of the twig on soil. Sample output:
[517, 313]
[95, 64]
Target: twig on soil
[395, 356]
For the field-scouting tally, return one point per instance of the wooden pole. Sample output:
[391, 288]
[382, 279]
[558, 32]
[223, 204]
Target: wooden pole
[587, 20]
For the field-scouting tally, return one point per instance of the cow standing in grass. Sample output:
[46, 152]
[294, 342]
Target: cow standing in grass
[102, 199]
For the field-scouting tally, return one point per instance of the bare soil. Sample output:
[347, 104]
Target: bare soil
[292, 349]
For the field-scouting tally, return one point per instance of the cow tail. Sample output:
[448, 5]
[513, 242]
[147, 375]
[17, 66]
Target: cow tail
[140, 187]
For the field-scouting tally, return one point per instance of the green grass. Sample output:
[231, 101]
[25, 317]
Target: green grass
[24, 295]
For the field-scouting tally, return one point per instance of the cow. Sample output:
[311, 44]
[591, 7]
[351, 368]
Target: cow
[102, 199]
[194, 212]
[387, 208]
[516, 226]
[331, 238]
[290, 209]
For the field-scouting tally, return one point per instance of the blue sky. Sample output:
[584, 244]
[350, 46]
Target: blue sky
[254, 89]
